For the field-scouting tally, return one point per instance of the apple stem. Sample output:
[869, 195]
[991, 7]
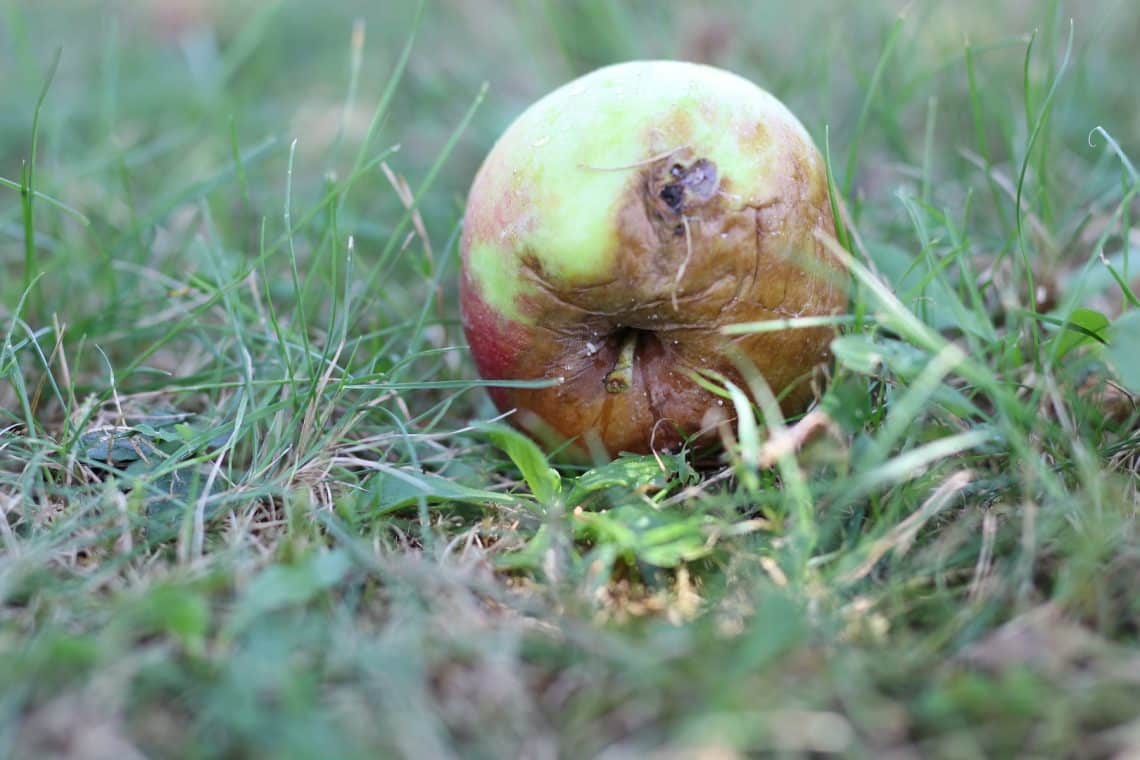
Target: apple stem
[621, 376]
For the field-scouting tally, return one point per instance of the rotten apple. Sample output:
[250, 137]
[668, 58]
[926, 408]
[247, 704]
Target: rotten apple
[617, 226]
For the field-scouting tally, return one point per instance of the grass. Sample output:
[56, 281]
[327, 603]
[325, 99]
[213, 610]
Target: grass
[253, 501]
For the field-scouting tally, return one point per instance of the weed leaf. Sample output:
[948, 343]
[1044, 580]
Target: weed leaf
[542, 479]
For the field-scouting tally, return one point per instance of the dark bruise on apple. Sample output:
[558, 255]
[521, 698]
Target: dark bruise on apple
[617, 226]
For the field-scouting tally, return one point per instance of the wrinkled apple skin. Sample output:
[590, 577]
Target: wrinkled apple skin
[647, 204]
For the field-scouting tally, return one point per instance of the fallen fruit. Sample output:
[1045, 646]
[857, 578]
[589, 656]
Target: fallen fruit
[617, 226]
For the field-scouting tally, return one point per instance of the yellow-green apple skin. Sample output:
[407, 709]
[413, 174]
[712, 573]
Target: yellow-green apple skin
[617, 225]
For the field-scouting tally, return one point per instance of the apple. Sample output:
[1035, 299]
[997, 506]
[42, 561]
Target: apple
[612, 232]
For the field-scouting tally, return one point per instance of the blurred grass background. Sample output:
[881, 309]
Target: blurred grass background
[152, 97]
[303, 604]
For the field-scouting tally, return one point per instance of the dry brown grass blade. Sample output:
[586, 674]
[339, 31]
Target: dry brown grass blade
[793, 439]
[408, 199]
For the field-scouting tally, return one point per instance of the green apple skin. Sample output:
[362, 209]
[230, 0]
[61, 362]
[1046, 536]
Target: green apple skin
[645, 206]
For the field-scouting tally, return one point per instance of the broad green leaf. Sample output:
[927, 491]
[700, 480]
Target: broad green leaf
[603, 527]
[847, 401]
[629, 472]
[670, 545]
[544, 481]
[658, 537]
[117, 447]
[1083, 326]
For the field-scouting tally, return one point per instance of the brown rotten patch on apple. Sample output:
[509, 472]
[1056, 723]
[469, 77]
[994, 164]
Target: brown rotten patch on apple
[720, 225]
[691, 256]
